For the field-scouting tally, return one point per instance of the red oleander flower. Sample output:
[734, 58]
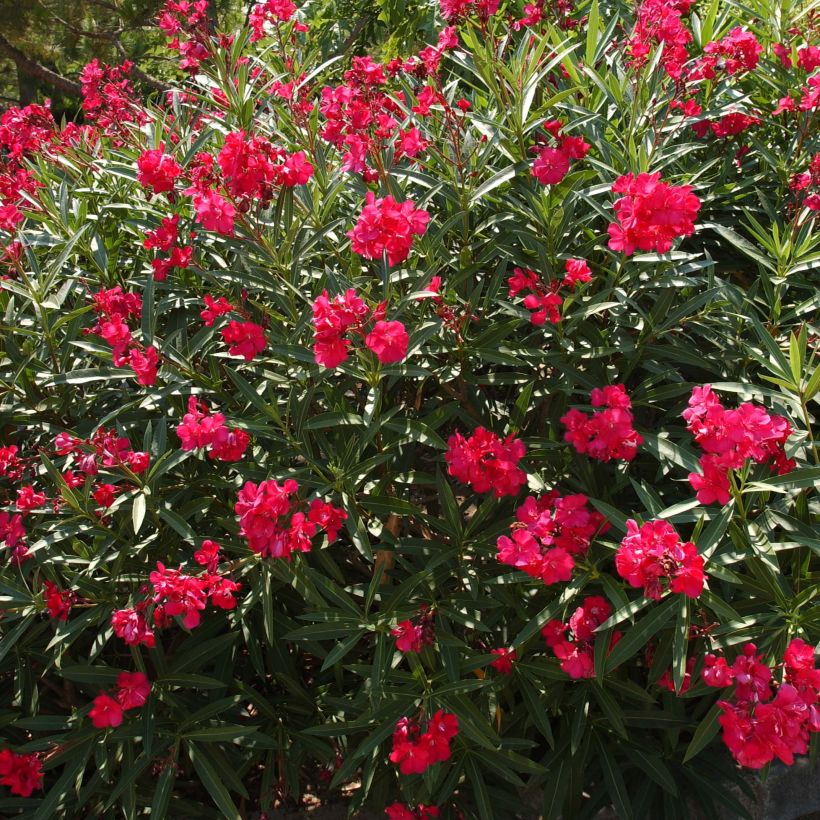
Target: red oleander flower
[386, 226]
[607, 434]
[651, 214]
[21, 773]
[548, 534]
[157, 170]
[133, 689]
[106, 712]
[245, 339]
[486, 462]
[653, 553]
[388, 340]
[731, 437]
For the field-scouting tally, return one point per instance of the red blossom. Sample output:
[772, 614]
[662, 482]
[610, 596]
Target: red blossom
[387, 227]
[653, 553]
[486, 462]
[651, 214]
[607, 434]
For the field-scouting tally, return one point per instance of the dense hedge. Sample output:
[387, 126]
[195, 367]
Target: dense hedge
[441, 430]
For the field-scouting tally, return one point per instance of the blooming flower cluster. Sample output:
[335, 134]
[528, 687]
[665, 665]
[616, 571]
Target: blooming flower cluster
[271, 15]
[157, 170]
[133, 689]
[731, 437]
[415, 751]
[660, 23]
[757, 728]
[455, 10]
[387, 227]
[269, 517]
[414, 636]
[334, 320]
[362, 120]
[396, 811]
[737, 53]
[607, 434]
[201, 428]
[651, 214]
[549, 533]
[109, 99]
[185, 24]
[543, 300]
[806, 186]
[177, 594]
[505, 658]
[553, 161]
[573, 641]
[105, 450]
[113, 309]
[21, 773]
[486, 462]
[58, 601]
[165, 239]
[653, 553]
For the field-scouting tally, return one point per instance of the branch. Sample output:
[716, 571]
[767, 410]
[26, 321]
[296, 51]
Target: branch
[38, 71]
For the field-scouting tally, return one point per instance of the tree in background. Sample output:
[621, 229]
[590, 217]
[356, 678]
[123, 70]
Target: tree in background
[45, 43]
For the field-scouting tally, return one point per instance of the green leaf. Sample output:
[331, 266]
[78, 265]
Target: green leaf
[614, 780]
[480, 794]
[212, 782]
[707, 730]
[138, 511]
[636, 637]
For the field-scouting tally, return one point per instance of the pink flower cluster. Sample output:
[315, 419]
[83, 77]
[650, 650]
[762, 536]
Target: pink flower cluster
[104, 450]
[660, 23]
[113, 309]
[414, 636]
[548, 534]
[543, 301]
[58, 601]
[806, 186]
[729, 438]
[573, 642]
[362, 120]
[607, 434]
[396, 811]
[165, 239]
[270, 519]
[387, 227]
[504, 660]
[455, 10]
[651, 214]
[185, 23]
[553, 161]
[201, 428]
[486, 462]
[337, 318]
[252, 167]
[653, 553]
[757, 728]
[133, 689]
[736, 54]
[177, 594]
[414, 751]
[21, 773]
[157, 170]
[109, 100]
[272, 13]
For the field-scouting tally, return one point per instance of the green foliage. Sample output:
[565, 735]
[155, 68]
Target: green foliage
[302, 683]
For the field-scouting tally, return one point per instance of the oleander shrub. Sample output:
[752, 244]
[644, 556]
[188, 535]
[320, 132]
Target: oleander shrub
[442, 431]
